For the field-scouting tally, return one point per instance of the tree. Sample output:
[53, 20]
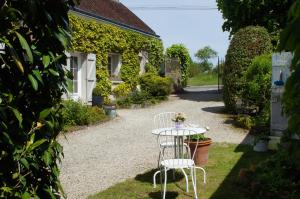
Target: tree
[204, 55]
[180, 52]
[35, 35]
[290, 41]
[246, 44]
[271, 14]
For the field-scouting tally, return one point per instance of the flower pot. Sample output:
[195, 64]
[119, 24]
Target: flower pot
[261, 145]
[97, 100]
[179, 125]
[110, 110]
[201, 154]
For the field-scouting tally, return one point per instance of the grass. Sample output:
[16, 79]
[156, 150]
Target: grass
[225, 162]
[204, 79]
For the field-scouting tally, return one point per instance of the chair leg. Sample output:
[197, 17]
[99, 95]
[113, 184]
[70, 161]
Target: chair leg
[193, 175]
[186, 179]
[154, 178]
[204, 173]
[165, 184]
[158, 161]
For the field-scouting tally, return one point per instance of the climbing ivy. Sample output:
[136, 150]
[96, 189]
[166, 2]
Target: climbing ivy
[181, 52]
[90, 36]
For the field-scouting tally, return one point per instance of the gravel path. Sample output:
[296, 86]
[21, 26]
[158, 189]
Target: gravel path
[100, 156]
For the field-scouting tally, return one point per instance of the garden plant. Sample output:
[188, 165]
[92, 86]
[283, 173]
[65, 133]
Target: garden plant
[32, 79]
[246, 44]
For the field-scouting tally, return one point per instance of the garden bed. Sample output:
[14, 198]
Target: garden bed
[78, 116]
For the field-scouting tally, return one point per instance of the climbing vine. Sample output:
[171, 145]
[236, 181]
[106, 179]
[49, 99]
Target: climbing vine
[90, 36]
[180, 52]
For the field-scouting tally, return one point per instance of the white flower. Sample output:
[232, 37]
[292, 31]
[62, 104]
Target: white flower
[207, 128]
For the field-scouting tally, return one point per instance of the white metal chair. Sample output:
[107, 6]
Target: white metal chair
[164, 120]
[176, 157]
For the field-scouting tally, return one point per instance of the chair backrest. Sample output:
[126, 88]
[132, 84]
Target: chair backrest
[164, 120]
[183, 147]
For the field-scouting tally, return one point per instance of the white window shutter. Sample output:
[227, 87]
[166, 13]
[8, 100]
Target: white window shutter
[90, 76]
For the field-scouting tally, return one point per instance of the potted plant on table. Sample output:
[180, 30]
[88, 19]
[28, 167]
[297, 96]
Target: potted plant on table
[179, 120]
[97, 98]
[201, 144]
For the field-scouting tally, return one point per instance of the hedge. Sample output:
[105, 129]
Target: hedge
[246, 44]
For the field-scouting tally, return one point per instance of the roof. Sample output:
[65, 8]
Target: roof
[114, 12]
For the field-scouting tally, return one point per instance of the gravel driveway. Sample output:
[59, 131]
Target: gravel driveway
[100, 156]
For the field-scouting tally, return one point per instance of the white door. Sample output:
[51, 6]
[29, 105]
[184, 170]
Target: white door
[90, 76]
[75, 69]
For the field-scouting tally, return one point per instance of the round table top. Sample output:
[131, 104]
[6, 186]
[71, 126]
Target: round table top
[172, 131]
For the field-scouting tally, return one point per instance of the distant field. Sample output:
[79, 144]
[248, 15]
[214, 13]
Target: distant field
[204, 79]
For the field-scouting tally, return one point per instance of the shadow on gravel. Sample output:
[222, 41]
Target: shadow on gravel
[215, 109]
[201, 95]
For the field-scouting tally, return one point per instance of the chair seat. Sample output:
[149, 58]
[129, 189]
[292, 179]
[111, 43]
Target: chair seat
[178, 163]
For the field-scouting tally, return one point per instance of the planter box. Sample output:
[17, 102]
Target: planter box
[97, 100]
[261, 146]
[110, 110]
[201, 154]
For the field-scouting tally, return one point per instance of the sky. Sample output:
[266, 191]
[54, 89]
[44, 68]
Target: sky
[193, 27]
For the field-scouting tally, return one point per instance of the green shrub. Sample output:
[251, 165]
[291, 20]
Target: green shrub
[97, 91]
[139, 97]
[245, 121]
[78, 114]
[256, 91]
[246, 44]
[36, 35]
[122, 90]
[276, 177]
[155, 85]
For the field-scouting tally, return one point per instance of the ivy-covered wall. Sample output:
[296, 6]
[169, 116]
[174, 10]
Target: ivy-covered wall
[90, 36]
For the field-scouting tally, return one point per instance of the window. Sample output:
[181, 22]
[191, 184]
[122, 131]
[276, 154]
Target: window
[74, 70]
[114, 66]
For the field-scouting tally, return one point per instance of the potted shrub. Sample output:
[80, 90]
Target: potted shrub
[97, 98]
[261, 143]
[110, 108]
[201, 154]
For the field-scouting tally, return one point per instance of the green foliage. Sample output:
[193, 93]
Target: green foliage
[180, 52]
[277, 177]
[271, 14]
[97, 91]
[256, 91]
[122, 90]
[201, 79]
[32, 79]
[199, 137]
[155, 85]
[244, 121]
[90, 36]
[77, 114]
[204, 55]
[194, 69]
[290, 41]
[246, 44]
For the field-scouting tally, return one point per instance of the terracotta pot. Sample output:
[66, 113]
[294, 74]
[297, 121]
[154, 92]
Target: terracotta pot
[201, 155]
